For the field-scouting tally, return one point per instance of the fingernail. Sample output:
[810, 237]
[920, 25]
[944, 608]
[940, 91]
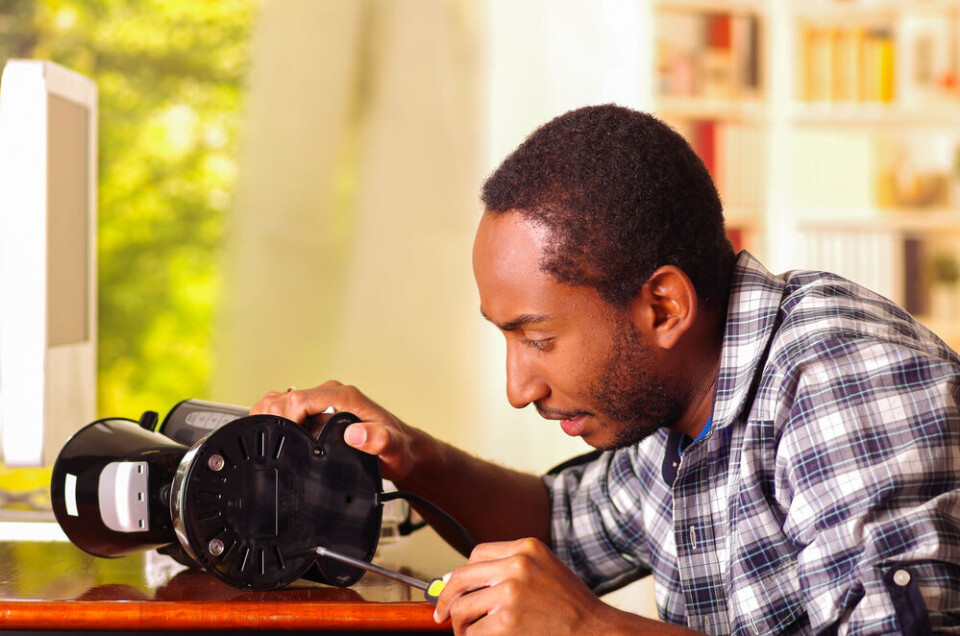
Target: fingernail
[355, 435]
[436, 617]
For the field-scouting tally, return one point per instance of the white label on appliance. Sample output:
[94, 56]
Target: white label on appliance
[70, 495]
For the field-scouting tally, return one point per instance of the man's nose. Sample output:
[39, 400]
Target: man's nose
[525, 378]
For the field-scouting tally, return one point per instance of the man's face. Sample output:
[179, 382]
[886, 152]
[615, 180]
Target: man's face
[579, 359]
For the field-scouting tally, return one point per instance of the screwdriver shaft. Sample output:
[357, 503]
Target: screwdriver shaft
[370, 567]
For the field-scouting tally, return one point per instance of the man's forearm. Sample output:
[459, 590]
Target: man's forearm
[491, 502]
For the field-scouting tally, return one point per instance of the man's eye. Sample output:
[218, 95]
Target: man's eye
[539, 345]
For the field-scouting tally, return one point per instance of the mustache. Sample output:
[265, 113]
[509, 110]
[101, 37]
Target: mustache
[556, 414]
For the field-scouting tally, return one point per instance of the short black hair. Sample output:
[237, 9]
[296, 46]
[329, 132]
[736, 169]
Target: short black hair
[621, 194]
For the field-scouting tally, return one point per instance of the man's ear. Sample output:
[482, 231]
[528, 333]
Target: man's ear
[666, 307]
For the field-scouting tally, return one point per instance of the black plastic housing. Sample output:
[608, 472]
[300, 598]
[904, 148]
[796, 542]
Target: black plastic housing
[249, 502]
[82, 460]
[255, 498]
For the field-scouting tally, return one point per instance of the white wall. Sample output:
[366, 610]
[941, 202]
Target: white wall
[369, 131]
[349, 252]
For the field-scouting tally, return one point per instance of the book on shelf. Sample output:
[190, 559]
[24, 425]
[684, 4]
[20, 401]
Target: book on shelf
[872, 258]
[915, 282]
[847, 64]
[932, 277]
[878, 66]
[847, 52]
[921, 273]
[716, 59]
[929, 57]
[708, 55]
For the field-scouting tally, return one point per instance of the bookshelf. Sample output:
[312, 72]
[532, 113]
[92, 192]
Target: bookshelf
[832, 128]
[896, 126]
[709, 84]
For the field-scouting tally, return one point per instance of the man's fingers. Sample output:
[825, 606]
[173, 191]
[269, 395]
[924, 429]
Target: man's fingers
[378, 433]
[470, 608]
[496, 550]
[464, 581]
[372, 439]
[298, 405]
[498, 564]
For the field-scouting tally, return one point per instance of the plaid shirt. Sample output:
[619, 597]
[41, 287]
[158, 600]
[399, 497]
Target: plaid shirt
[824, 497]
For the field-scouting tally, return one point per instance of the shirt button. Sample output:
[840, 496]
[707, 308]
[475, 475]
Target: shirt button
[901, 578]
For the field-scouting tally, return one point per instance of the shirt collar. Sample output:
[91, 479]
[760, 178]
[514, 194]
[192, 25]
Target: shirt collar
[686, 441]
[754, 303]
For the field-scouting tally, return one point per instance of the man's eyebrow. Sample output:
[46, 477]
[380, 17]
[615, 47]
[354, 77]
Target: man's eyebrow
[519, 321]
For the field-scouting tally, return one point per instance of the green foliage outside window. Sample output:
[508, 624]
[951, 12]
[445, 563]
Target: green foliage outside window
[170, 75]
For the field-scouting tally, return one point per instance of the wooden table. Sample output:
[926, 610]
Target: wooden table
[54, 586]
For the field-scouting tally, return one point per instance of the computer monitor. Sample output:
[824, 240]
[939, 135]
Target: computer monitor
[48, 289]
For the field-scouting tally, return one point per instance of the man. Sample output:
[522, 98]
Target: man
[781, 453]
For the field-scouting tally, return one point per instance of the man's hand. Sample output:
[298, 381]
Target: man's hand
[521, 587]
[379, 432]
[492, 502]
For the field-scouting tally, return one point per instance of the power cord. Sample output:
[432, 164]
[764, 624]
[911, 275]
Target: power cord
[407, 526]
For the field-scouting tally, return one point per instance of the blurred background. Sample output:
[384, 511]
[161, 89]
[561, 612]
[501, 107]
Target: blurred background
[289, 188]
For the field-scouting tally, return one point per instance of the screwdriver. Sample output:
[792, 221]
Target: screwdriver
[431, 590]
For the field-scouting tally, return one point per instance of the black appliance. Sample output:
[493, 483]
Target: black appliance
[247, 497]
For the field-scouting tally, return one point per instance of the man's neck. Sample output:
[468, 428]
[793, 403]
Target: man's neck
[702, 375]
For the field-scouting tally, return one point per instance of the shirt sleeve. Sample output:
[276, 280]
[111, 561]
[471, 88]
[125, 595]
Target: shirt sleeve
[597, 525]
[868, 464]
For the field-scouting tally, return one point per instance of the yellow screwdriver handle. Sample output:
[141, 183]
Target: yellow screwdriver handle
[434, 588]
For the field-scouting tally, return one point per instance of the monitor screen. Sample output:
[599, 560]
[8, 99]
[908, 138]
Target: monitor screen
[48, 339]
[67, 218]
